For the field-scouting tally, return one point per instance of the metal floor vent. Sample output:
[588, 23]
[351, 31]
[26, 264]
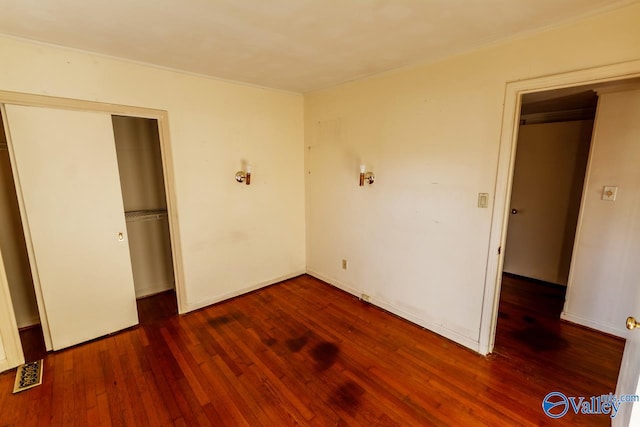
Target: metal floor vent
[28, 376]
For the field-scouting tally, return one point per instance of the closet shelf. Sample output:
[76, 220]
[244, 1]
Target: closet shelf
[145, 215]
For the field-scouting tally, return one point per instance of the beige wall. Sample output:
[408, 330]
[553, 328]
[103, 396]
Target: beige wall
[233, 237]
[139, 163]
[151, 261]
[12, 246]
[605, 272]
[415, 240]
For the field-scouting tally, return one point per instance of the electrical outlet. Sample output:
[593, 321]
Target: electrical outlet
[344, 264]
[364, 297]
[609, 193]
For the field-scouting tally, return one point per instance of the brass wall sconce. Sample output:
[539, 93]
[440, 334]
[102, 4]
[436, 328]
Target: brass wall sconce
[366, 176]
[242, 176]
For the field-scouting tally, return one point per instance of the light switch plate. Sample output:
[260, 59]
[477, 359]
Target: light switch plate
[483, 200]
[609, 193]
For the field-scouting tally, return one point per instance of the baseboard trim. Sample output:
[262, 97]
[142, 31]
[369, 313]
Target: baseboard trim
[152, 290]
[210, 301]
[534, 280]
[385, 305]
[601, 327]
[26, 323]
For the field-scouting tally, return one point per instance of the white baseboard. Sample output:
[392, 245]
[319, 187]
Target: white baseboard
[602, 327]
[152, 290]
[25, 323]
[438, 329]
[219, 298]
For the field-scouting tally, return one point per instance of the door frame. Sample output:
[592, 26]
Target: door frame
[8, 325]
[514, 91]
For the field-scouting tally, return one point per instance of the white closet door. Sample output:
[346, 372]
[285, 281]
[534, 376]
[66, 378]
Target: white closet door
[68, 175]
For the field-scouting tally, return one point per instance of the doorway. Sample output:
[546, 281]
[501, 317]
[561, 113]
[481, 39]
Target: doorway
[528, 316]
[145, 204]
[554, 139]
[626, 72]
[142, 179]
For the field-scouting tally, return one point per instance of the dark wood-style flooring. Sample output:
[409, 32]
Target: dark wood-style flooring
[304, 353]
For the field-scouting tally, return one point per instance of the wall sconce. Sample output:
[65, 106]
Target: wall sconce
[366, 176]
[242, 176]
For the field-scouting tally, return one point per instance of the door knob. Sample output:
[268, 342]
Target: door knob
[632, 323]
[514, 211]
[121, 236]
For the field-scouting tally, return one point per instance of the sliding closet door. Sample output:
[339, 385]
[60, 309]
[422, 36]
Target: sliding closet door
[68, 175]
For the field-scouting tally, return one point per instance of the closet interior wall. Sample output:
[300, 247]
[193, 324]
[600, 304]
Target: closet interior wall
[143, 192]
[13, 245]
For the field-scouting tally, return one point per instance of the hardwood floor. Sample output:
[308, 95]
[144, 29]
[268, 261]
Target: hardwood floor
[304, 353]
[574, 360]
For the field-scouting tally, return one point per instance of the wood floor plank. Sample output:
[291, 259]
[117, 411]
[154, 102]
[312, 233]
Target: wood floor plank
[57, 404]
[187, 369]
[304, 353]
[238, 401]
[152, 402]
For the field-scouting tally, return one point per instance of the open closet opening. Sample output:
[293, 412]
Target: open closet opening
[43, 239]
[16, 260]
[143, 192]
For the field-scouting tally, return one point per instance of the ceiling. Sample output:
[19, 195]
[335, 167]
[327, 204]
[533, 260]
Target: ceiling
[296, 45]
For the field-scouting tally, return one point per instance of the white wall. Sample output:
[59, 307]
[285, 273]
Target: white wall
[233, 237]
[605, 269]
[13, 248]
[415, 240]
[151, 261]
[139, 163]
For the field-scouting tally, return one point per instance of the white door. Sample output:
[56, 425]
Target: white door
[67, 171]
[545, 200]
[619, 134]
[629, 377]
